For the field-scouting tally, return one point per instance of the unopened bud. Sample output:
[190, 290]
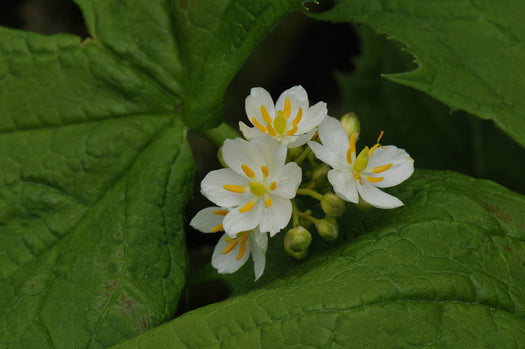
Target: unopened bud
[328, 228]
[351, 124]
[296, 255]
[332, 204]
[297, 239]
[220, 158]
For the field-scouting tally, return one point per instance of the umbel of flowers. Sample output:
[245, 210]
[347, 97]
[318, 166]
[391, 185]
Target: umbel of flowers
[255, 194]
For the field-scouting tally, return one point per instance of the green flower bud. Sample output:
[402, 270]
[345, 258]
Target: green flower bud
[351, 124]
[221, 159]
[296, 255]
[332, 204]
[328, 228]
[297, 239]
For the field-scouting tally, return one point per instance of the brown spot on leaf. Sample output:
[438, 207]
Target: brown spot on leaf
[507, 248]
[112, 286]
[183, 3]
[123, 312]
[143, 325]
[518, 255]
[128, 303]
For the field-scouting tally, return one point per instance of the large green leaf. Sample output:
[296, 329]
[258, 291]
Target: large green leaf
[411, 119]
[94, 166]
[470, 53]
[446, 270]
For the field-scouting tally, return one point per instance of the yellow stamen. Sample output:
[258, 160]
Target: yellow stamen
[287, 108]
[268, 121]
[375, 179]
[279, 123]
[382, 168]
[234, 188]
[257, 188]
[241, 252]
[373, 149]
[265, 115]
[349, 156]
[352, 142]
[362, 160]
[231, 245]
[379, 138]
[267, 202]
[244, 237]
[247, 207]
[248, 171]
[217, 228]
[292, 131]
[358, 176]
[265, 171]
[258, 125]
[298, 118]
[220, 212]
[273, 185]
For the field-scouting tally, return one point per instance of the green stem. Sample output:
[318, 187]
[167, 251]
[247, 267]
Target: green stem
[309, 192]
[309, 218]
[299, 160]
[219, 134]
[295, 214]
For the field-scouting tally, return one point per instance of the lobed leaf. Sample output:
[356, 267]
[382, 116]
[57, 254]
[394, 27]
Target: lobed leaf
[469, 53]
[94, 166]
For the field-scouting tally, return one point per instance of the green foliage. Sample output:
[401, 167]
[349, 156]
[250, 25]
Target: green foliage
[445, 270]
[95, 170]
[468, 52]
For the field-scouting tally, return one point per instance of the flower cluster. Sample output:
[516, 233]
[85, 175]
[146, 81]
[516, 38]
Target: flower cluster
[254, 195]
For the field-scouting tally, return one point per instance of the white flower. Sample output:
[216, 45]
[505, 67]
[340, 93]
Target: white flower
[257, 186]
[353, 176]
[231, 253]
[291, 121]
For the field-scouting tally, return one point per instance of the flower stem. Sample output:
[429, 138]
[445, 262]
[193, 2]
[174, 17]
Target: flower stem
[295, 214]
[309, 192]
[219, 134]
[309, 218]
[299, 160]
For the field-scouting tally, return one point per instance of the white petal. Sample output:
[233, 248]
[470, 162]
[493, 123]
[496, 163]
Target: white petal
[402, 168]
[237, 152]
[312, 118]
[212, 188]
[376, 197]
[227, 263]
[298, 98]
[205, 220]
[288, 181]
[236, 221]
[333, 136]
[259, 96]
[273, 154]
[300, 140]
[277, 216]
[344, 185]
[258, 244]
[250, 132]
[328, 156]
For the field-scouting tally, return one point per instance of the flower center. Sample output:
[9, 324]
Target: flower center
[257, 188]
[362, 160]
[279, 123]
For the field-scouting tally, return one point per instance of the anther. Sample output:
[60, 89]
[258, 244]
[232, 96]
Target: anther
[375, 179]
[244, 237]
[217, 228]
[267, 202]
[265, 171]
[241, 252]
[231, 245]
[273, 185]
[248, 171]
[381, 168]
[287, 108]
[247, 207]
[258, 125]
[220, 212]
[234, 188]
[352, 142]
